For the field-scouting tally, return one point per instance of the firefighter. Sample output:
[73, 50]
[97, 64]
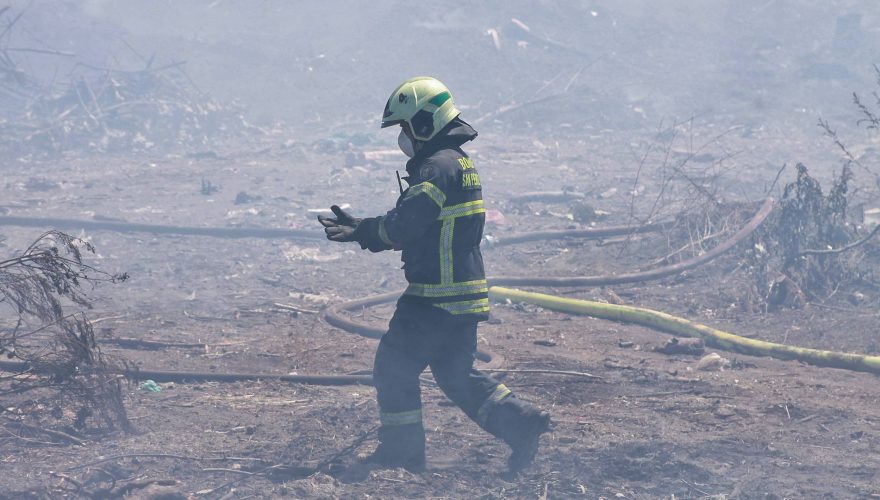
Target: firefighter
[437, 224]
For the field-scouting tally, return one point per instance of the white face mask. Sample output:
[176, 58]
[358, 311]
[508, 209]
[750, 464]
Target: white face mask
[406, 144]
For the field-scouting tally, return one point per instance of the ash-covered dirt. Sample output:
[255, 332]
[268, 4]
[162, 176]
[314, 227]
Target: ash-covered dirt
[644, 111]
[653, 425]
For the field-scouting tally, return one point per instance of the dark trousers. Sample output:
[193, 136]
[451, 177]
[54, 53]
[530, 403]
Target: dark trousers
[420, 336]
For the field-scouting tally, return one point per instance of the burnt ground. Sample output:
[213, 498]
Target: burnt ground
[653, 427]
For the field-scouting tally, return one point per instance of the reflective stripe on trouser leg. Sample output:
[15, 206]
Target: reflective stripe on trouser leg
[401, 418]
[501, 391]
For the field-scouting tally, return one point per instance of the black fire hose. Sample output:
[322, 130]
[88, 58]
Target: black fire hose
[654, 274]
[181, 377]
[129, 227]
[588, 233]
[335, 316]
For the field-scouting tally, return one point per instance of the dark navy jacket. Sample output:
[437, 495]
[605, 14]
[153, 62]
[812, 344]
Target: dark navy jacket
[438, 224]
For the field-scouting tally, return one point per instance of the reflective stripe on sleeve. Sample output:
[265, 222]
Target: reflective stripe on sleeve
[383, 233]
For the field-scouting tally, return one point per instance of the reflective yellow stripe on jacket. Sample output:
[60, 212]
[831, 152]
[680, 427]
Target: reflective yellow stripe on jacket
[451, 290]
[465, 306]
[462, 210]
[448, 216]
[430, 190]
[447, 286]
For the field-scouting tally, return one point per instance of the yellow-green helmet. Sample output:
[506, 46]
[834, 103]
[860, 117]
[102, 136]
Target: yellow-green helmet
[424, 104]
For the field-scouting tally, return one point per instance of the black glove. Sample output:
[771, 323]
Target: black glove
[342, 227]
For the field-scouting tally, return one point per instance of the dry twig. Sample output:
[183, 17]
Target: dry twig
[844, 248]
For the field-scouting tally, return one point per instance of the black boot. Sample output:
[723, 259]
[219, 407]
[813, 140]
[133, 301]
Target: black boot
[400, 446]
[520, 425]
[525, 445]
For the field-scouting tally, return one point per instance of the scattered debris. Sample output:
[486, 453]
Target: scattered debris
[785, 292]
[295, 253]
[495, 217]
[57, 361]
[150, 385]
[208, 188]
[608, 193]
[689, 346]
[584, 213]
[313, 298]
[545, 343]
[792, 258]
[871, 217]
[611, 297]
[496, 38]
[713, 362]
[547, 196]
[856, 298]
[243, 198]
[40, 184]
[291, 307]
[235, 214]
[107, 109]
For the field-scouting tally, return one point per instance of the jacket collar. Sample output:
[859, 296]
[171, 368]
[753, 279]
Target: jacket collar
[453, 135]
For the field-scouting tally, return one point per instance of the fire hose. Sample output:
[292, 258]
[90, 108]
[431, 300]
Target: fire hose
[646, 317]
[336, 316]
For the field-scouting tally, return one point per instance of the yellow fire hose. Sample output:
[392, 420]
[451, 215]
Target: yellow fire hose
[680, 326]
[646, 317]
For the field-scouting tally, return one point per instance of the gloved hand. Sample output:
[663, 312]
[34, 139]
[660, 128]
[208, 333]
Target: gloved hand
[342, 227]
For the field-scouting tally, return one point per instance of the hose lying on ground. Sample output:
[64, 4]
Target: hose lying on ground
[181, 377]
[680, 326]
[269, 233]
[128, 227]
[647, 317]
[661, 272]
[336, 317]
[588, 233]
[334, 314]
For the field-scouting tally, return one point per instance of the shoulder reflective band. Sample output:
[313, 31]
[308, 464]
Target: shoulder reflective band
[429, 189]
[401, 418]
[465, 306]
[383, 233]
[501, 391]
[451, 290]
[462, 209]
